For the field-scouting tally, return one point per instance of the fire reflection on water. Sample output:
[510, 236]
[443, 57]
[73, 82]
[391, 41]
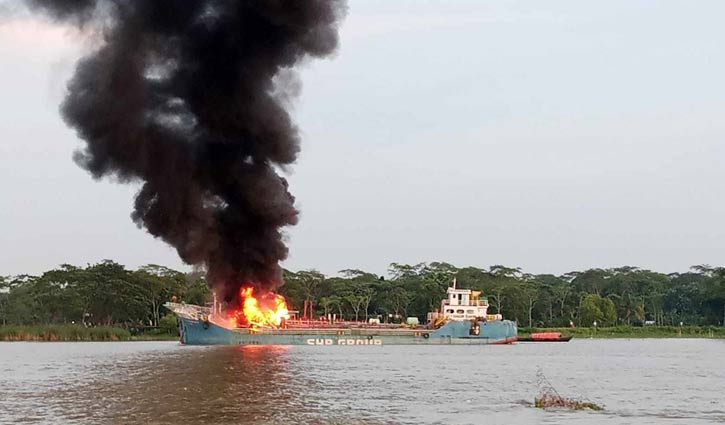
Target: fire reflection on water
[242, 384]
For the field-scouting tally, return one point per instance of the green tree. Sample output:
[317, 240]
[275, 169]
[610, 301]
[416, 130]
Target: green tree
[327, 305]
[528, 294]
[590, 310]
[4, 294]
[335, 303]
[399, 301]
[609, 312]
[714, 292]
[592, 281]
[304, 286]
[561, 292]
[116, 297]
[160, 284]
[505, 279]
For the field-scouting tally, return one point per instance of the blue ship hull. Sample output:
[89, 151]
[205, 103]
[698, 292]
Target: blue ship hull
[199, 332]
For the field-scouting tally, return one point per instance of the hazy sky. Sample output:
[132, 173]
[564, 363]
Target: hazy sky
[554, 136]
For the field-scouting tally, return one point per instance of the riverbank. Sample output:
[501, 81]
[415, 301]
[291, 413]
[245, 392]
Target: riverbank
[78, 333]
[105, 333]
[634, 332]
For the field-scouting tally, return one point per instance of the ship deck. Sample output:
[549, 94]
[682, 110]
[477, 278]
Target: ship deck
[331, 330]
[304, 327]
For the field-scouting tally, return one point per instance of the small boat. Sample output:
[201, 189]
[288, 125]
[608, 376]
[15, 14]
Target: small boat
[545, 337]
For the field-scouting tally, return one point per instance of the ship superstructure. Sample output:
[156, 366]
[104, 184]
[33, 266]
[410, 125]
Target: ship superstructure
[462, 304]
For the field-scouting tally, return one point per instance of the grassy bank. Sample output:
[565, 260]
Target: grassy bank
[77, 333]
[635, 332]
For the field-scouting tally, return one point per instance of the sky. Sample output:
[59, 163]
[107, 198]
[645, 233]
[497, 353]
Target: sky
[552, 136]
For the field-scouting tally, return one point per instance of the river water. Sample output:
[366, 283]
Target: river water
[638, 381]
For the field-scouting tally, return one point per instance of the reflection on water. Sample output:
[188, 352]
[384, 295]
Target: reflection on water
[203, 386]
[200, 385]
[638, 381]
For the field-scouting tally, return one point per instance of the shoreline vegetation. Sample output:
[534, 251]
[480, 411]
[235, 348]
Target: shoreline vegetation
[709, 332]
[627, 302]
[78, 333]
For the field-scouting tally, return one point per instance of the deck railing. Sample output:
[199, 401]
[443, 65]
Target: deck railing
[188, 310]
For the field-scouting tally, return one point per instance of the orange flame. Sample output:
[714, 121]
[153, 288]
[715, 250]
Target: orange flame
[269, 309]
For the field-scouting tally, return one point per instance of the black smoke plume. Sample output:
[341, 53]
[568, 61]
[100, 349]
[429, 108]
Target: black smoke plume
[188, 98]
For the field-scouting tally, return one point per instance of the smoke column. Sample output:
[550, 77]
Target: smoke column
[188, 98]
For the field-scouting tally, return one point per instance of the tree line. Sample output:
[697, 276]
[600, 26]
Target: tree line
[103, 294]
[107, 293]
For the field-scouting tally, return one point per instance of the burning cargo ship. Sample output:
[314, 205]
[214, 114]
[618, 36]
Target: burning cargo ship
[463, 319]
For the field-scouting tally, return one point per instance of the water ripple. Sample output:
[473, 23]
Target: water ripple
[638, 381]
